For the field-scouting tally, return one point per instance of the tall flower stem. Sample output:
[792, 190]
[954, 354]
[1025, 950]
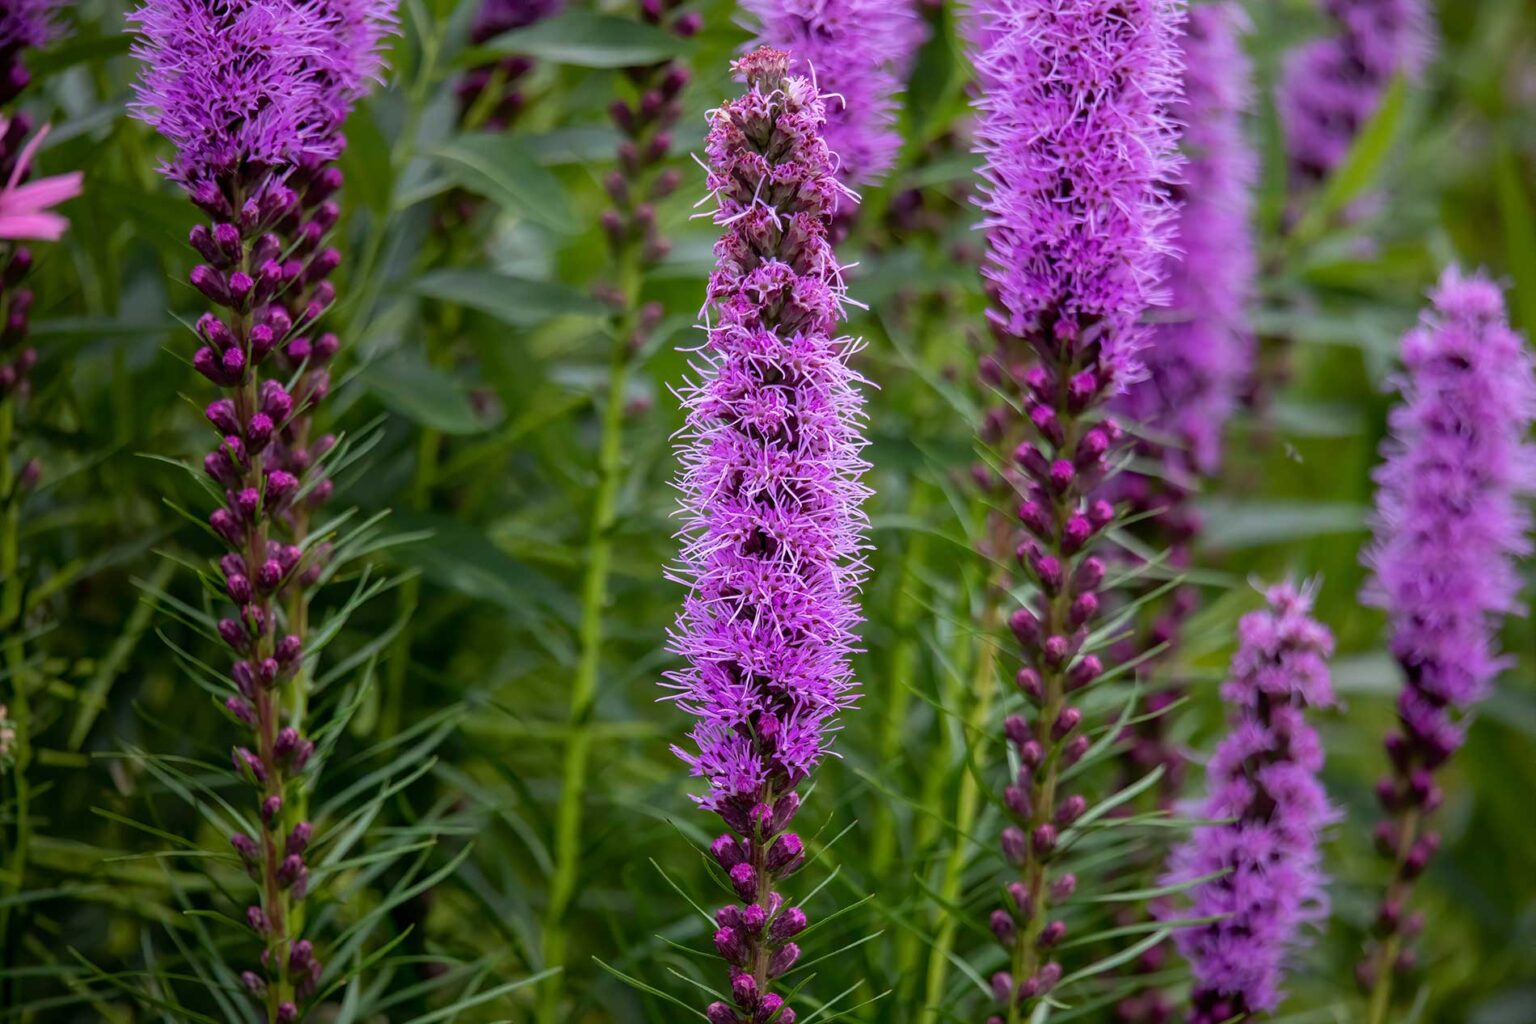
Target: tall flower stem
[967, 805]
[1384, 958]
[18, 710]
[594, 607]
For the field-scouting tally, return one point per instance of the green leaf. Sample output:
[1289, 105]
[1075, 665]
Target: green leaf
[1518, 221]
[585, 40]
[422, 393]
[1237, 524]
[502, 169]
[370, 174]
[1365, 161]
[514, 300]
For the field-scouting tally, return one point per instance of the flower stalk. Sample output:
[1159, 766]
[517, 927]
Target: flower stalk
[1449, 524]
[773, 534]
[1259, 870]
[636, 243]
[253, 94]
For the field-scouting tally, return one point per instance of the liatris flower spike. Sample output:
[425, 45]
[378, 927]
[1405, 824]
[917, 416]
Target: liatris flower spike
[1332, 86]
[253, 93]
[1451, 519]
[1076, 143]
[772, 545]
[859, 53]
[1262, 866]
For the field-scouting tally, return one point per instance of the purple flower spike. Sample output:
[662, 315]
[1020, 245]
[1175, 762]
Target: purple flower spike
[235, 86]
[773, 535]
[1078, 149]
[859, 53]
[1332, 86]
[253, 94]
[1077, 224]
[1451, 520]
[1267, 865]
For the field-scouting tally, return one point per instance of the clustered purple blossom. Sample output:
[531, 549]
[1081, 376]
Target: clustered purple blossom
[1261, 865]
[773, 541]
[1450, 521]
[24, 25]
[1332, 86]
[253, 94]
[494, 18]
[1077, 143]
[859, 53]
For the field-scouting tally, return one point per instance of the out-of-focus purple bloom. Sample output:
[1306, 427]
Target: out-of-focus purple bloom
[24, 25]
[1268, 876]
[1199, 353]
[1451, 519]
[494, 18]
[241, 86]
[1332, 86]
[497, 16]
[773, 534]
[357, 33]
[859, 53]
[1078, 227]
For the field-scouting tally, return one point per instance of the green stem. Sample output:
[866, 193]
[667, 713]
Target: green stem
[15, 660]
[594, 605]
[1387, 952]
[967, 804]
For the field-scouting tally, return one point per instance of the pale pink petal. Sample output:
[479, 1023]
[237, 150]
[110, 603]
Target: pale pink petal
[38, 227]
[43, 193]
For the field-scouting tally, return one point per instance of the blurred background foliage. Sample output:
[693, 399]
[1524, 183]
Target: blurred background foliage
[499, 395]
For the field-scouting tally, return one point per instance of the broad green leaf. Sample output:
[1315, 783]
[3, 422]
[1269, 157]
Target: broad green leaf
[503, 169]
[514, 300]
[586, 40]
[422, 393]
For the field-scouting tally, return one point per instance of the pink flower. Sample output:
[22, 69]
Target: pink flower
[26, 209]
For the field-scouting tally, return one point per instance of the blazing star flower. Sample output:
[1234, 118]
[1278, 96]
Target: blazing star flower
[253, 94]
[241, 85]
[1077, 147]
[859, 53]
[773, 534]
[1332, 86]
[1263, 868]
[1451, 520]
[26, 207]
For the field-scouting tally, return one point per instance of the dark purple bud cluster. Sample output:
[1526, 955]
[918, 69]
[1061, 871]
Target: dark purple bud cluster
[266, 270]
[500, 79]
[756, 937]
[641, 179]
